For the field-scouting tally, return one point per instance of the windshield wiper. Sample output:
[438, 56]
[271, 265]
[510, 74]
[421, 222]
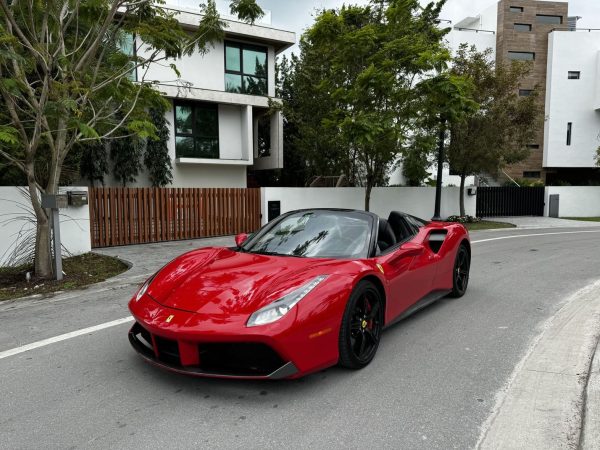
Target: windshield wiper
[259, 252]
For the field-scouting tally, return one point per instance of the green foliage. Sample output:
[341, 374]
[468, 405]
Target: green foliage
[354, 89]
[65, 79]
[156, 157]
[94, 161]
[497, 133]
[527, 182]
[126, 155]
[416, 158]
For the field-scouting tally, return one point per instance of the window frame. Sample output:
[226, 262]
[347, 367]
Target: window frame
[532, 174]
[195, 105]
[576, 73]
[516, 9]
[525, 92]
[512, 52]
[241, 46]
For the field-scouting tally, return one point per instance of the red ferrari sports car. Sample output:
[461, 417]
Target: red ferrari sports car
[311, 289]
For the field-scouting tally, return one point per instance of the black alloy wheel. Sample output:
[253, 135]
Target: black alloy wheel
[361, 326]
[460, 276]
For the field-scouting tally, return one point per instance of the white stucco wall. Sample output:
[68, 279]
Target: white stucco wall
[575, 201]
[202, 71]
[17, 224]
[572, 100]
[416, 201]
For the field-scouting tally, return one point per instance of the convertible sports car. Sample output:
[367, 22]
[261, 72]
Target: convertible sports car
[311, 289]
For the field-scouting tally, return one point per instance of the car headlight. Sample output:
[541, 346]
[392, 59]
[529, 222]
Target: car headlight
[144, 288]
[280, 307]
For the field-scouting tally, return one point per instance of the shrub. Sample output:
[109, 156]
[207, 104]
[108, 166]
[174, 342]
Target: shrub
[463, 219]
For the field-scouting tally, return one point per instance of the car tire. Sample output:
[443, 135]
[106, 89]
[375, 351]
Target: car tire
[460, 272]
[362, 323]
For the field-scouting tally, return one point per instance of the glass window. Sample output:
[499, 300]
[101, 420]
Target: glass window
[525, 92]
[553, 20]
[245, 69]
[522, 27]
[127, 45]
[232, 59]
[315, 234]
[521, 56]
[574, 75]
[516, 9]
[196, 130]
[532, 174]
[569, 132]
[533, 146]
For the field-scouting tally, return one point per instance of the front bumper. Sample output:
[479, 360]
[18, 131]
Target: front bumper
[238, 360]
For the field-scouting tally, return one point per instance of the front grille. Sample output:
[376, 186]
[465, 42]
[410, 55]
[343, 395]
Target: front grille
[239, 358]
[168, 351]
[221, 358]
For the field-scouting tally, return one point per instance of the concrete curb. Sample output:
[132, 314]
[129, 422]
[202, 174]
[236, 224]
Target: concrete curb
[590, 438]
[542, 405]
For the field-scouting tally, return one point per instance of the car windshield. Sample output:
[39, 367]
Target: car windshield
[315, 234]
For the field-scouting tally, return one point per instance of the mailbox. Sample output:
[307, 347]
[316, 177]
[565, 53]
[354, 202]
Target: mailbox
[54, 201]
[472, 191]
[77, 198]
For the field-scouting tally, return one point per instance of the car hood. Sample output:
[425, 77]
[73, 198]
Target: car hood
[221, 281]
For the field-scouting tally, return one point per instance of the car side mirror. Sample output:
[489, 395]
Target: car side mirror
[240, 239]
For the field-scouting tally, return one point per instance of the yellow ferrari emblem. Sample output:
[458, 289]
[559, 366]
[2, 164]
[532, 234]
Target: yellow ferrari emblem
[380, 267]
[364, 324]
[168, 319]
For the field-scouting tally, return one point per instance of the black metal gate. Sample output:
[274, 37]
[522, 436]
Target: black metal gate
[510, 201]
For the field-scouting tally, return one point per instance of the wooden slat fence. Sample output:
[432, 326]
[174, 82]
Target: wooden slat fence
[123, 216]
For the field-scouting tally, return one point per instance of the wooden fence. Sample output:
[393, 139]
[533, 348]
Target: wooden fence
[122, 216]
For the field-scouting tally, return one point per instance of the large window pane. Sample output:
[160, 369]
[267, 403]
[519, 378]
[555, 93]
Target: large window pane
[554, 20]
[184, 147]
[196, 130]
[255, 62]
[233, 83]
[207, 148]
[521, 56]
[232, 59]
[255, 86]
[183, 119]
[207, 123]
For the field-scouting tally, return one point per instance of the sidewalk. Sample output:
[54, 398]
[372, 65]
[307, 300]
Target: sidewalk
[531, 222]
[552, 399]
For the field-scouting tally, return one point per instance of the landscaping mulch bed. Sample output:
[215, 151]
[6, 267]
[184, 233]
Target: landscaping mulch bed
[487, 225]
[80, 271]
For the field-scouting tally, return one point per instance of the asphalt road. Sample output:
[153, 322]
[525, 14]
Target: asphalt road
[432, 384]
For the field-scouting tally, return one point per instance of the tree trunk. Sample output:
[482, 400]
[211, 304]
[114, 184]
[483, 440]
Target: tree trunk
[462, 194]
[368, 188]
[42, 256]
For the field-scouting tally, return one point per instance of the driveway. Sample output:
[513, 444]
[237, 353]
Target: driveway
[433, 383]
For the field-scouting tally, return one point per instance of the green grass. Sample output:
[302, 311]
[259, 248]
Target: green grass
[585, 219]
[487, 225]
[80, 271]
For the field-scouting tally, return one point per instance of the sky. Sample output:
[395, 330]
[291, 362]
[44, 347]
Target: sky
[297, 15]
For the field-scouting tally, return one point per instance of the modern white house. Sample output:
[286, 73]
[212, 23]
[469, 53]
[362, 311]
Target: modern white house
[220, 104]
[566, 67]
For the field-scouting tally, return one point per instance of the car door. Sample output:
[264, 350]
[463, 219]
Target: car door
[410, 269]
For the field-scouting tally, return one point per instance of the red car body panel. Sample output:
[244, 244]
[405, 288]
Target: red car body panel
[207, 296]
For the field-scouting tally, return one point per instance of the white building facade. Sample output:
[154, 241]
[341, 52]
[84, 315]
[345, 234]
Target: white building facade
[220, 121]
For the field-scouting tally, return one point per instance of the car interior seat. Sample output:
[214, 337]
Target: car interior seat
[385, 235]
[401, 229]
